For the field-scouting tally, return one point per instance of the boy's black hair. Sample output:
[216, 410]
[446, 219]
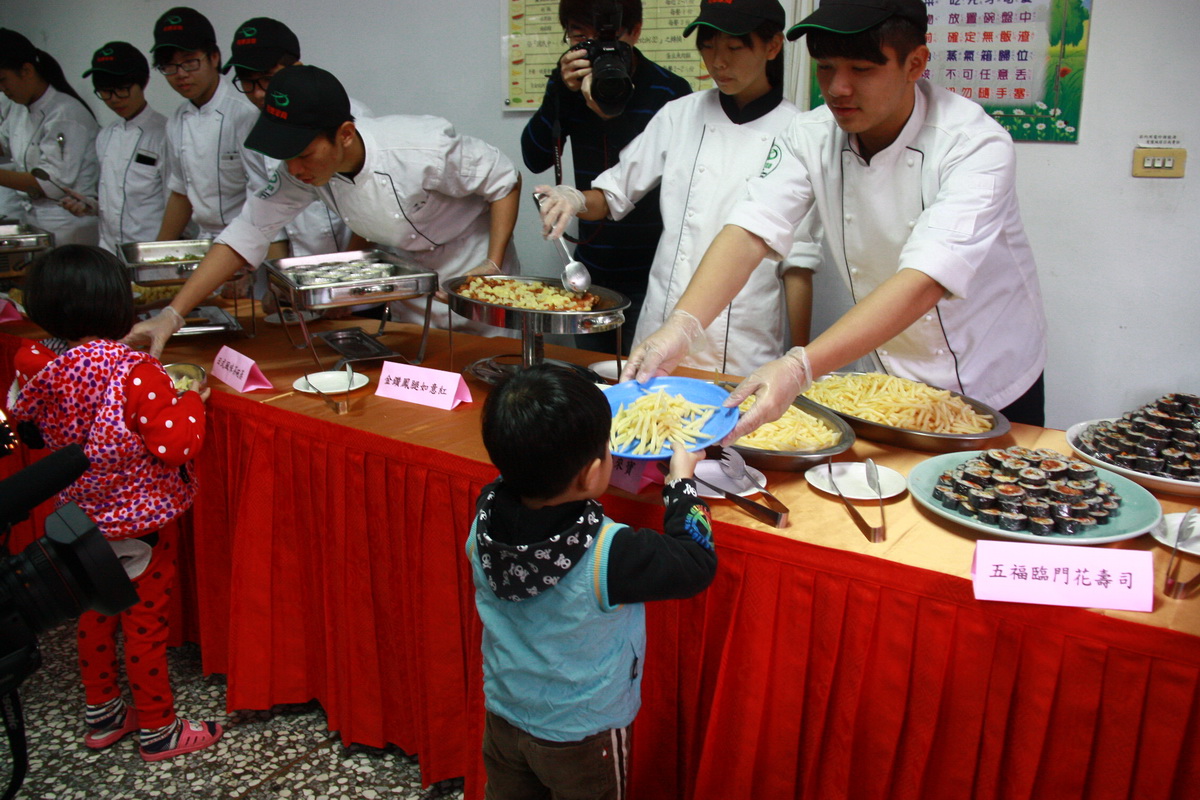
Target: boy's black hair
[895, 32]
[542, 426]
[583, 12]
[78, 290]
[106, 80]
[164, 55]
[764, 32]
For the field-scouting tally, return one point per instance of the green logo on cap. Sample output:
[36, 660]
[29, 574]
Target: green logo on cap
[280, 99]
[108, 51]
[248, 32]
[174, 20]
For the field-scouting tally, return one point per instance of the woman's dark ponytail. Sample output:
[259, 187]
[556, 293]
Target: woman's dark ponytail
[52, 73]
[16, 51]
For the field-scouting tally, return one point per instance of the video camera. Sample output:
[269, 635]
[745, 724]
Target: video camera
[57, 577]
[612, 62]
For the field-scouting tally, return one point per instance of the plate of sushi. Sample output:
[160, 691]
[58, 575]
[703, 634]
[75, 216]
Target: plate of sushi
[1157, 445]
[1034, 496]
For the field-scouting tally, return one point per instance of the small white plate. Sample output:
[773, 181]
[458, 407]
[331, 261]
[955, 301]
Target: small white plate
[851, 477]
[711, 472]
[1165, 534]
[290, 317]
[607, 369]
[332, 382]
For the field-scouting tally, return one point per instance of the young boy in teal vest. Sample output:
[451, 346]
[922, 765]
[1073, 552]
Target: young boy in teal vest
[560, 588]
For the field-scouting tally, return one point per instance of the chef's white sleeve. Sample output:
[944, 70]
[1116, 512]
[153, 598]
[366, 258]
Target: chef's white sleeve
[955, 233]
[64, 164]
[264, 215]
[176, 179]
[471, 166]
[640, 168]
[777, 203]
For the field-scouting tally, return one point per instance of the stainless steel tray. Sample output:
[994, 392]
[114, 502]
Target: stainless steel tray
[608, 313]
[158, 263]
[800, 460]
[16, 237]
[925, 440]
[330, 280]
[203, 319]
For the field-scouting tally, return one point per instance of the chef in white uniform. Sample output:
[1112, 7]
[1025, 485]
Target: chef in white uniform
[132, 151]
[410, 183]
[701, 149]
[914, 187]
[10, 199]
[50, 128]
[210, 178]
[262, 47]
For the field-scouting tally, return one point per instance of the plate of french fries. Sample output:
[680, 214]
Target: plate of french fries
[648, 418]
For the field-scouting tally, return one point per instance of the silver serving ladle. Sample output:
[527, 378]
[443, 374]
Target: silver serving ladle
[42, 175]
[575, 275]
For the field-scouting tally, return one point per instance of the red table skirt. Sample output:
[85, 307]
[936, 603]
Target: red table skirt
[329, 564]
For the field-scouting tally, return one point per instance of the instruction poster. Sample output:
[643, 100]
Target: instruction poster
[1022, 60]
[534, 42]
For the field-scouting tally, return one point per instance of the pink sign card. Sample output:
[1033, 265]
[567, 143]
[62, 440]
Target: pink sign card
[9, 312]
[633, 475]
[428, 387]
[1064, 575]
[239, 371]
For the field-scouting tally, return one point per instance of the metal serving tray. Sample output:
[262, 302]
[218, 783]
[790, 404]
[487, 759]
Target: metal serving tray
[203, 319]
[158, 263]
[333, 279]
[925, 440]
[800, 460]
[608, 313]
[16, 237]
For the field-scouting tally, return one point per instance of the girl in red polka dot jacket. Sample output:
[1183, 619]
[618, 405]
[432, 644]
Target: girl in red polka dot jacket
[141, 437]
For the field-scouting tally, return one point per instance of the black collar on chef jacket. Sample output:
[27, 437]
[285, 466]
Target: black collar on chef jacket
[752, 110]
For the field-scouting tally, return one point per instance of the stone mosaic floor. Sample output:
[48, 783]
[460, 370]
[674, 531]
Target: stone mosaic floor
[286, 752]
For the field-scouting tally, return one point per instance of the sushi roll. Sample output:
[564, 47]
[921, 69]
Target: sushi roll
[1080, 471]
[1067, 526]
[1041, 526]
[1033, 476]
[952, 501]
[1080, 510]
[1100, 515]
[1111, 508]
[1055, 469]
[1087, 525]
[989, 516]
[964, 485]
[1085, 487]
[995, 457]
[1065, 493]
[1035, 507]
[981, 498]
[1013, 521]
[1035, 490]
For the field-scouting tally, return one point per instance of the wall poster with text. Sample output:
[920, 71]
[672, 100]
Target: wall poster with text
[533, 43]
[1022, 60]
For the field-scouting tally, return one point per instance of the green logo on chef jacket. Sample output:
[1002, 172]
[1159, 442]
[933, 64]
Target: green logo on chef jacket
[248, 32]
[173, 20]
[280, 99]
[772, 161]
[272, 186]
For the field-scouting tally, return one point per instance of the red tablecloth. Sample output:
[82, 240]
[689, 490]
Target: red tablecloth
[328, 564]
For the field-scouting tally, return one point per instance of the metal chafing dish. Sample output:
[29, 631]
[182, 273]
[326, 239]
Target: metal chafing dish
[926, 440]
[158, 263]
[608, 313]
[351, 278]
[20, 244]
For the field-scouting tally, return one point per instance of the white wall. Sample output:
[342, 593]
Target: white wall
[1117, 254]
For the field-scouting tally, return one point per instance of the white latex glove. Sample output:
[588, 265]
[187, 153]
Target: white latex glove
[487, 267]
[79, 205]
[775, 386]
[153, 333]
[559, 205]
[662, 350]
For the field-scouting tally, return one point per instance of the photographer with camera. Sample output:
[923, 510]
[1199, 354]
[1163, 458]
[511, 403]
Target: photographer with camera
[600, 97]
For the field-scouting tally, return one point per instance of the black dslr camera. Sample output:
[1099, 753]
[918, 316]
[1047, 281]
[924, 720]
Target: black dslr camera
[612, 62]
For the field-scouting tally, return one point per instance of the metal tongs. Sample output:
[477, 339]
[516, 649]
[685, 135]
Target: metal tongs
[1171, 586]
[874, 535]
[339, 407]
[776, 519]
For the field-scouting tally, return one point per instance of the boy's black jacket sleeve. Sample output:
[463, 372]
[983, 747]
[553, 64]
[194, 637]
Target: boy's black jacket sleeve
[647, 565]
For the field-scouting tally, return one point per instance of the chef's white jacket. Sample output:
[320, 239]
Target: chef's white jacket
[134, 167]
[317, 229]
[940, 199]
[207, 159]
[702, 160]
[423, 190]
[10, 199]
[56, 132]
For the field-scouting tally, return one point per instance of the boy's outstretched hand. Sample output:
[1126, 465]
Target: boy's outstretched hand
[683, 463]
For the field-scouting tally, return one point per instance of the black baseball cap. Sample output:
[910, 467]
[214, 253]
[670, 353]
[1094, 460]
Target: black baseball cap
[184, 28]
[737, 17]
[854, 16]
[118, 58]
[301, 102]
[260, 43]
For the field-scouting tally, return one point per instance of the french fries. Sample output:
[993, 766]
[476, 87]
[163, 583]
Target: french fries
[899, 402]
[655, 420]
[795, 431]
